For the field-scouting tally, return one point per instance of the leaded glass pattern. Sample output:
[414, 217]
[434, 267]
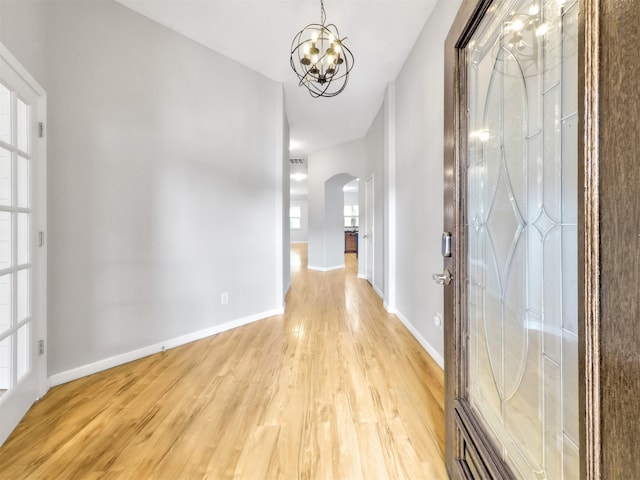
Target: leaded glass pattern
[521, 229]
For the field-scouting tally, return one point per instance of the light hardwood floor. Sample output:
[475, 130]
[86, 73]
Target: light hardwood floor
[334, 389]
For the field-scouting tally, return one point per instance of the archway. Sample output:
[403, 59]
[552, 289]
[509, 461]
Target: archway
[326, 239]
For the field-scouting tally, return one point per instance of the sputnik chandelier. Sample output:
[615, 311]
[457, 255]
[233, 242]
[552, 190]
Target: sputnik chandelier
[320, 58]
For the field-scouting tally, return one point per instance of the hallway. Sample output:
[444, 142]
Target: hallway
[335, 388]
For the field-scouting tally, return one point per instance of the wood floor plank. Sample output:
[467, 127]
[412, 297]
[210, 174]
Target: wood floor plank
[336, 388]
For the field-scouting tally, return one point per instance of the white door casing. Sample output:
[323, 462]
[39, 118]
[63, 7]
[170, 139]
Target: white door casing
[368, 228]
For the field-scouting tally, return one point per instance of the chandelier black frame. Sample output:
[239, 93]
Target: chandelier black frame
[320, 58]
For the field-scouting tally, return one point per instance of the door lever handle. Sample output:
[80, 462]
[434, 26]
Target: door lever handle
[443, 278]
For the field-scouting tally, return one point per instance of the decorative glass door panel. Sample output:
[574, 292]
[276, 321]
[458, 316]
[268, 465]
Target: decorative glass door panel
[521, 231]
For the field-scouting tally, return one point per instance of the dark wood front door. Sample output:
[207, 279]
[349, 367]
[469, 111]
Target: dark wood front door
[542, 200]
[512, 361]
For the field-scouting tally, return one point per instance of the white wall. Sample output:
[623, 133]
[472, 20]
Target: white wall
[419, 93]
[326, 234]
[334, 219]
[22, 31]
[165, 166]
[301, 234]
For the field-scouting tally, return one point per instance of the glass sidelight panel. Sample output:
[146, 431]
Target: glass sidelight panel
[23, 351]
[22, 366]
[6, 296]
[5, 177]
[16, 216]
[23, 294]
[5, 364]
[6, 240]
[22, 125]
[5, 114]
[23, 182]
[521, 231]
[23, 243]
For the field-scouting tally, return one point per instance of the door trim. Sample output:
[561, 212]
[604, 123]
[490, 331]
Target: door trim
[467, 19]
[485, 462]
[589, 240]
[369, 213]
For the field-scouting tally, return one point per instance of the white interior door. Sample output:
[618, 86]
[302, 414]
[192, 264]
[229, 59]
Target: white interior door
[22, 275]
[368, 227]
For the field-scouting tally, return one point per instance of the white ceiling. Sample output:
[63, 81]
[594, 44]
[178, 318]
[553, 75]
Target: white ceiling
[258, 34]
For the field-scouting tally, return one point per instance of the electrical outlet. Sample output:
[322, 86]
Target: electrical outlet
[224, 298]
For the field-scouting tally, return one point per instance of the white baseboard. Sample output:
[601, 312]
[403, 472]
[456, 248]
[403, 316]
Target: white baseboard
[325, 269]
[378, 291]
[362, 276]
[100, 365]
[298, 241]
[421, 340]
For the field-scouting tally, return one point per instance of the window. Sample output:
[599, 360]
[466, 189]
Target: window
[295, 214]
[351, 215]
